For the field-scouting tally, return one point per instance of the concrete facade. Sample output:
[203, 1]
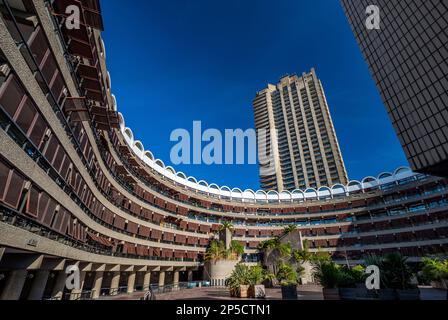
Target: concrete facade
[407, 57]
[304, 150]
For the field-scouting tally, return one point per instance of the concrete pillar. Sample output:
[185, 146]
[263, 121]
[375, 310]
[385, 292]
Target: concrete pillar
[38, 285]
[161, 278]
[97, 282]
[75, 294]
[190, 275]
[115, 283]
[176, 279]
[147, 280]
[14, 285]
[59, 285]
[131, 282]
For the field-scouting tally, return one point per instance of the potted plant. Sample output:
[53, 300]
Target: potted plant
[397, 275]
[257, 276]
[239, 281]
[348, 280]
[436, 272]
[328, 275]
[288, 279]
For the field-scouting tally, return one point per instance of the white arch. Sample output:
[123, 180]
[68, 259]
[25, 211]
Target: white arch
[273, 195]
[192, 179]
[149, 155]
[285, 195]
[226, 192]
[129, 134]
[103, 48]
[402, 170]
[354, 186]
[160, 163]
[353, 182]
[298, 194]
[170, 169]
[203, 183]
[369, 182]
[384, 175]
[237, 193]
[182, 175]
[114, 102]
[261, 195]
[249, 194]
[108, 81]
[120, 120]
[214, 186]
[338, 189]
[324, 192]
[139, 145]
[311, 193]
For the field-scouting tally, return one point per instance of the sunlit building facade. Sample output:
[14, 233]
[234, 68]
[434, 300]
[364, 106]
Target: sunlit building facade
[77, 188]
[302, 144]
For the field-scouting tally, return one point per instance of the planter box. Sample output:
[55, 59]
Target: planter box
[331, 294]
[268, 283]
[289, 292]
[348, 293]
[440, 284]
[243, 292]
[411, 294]
[387, 294]
[257, 292]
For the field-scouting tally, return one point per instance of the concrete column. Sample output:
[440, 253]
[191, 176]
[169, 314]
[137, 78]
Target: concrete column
[176, 279]
[161, 278]
[59, 285]
[190, 275]
[147, 280]
[38, 285]
[75, 294]
[131, 282]
[97, 282]
[14, 285]
[115, 283]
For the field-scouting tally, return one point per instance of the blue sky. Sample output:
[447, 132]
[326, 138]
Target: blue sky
[174, 62]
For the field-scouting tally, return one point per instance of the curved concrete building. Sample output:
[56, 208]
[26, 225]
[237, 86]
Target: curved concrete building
[78, 188]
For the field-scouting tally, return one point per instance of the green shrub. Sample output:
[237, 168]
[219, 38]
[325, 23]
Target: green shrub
[286, 274]
[240, 276]
[435, 270]
[395, 272]
[245, 275]
[327, 274]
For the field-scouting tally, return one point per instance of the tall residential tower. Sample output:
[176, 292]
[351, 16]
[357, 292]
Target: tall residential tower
[304, 149]
[408, 57]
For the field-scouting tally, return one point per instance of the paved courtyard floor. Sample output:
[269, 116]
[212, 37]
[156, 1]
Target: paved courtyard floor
[216, 293]
[220, 293]
[212, 293]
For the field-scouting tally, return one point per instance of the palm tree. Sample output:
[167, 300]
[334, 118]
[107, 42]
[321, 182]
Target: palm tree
[269, 244]
[396, 271]
[286, 274]
[285, 250]
[215, 251]
[236, 250]
[327, 274]
[226, 225]
[289, 229]
[225, 233]
[302, 255]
